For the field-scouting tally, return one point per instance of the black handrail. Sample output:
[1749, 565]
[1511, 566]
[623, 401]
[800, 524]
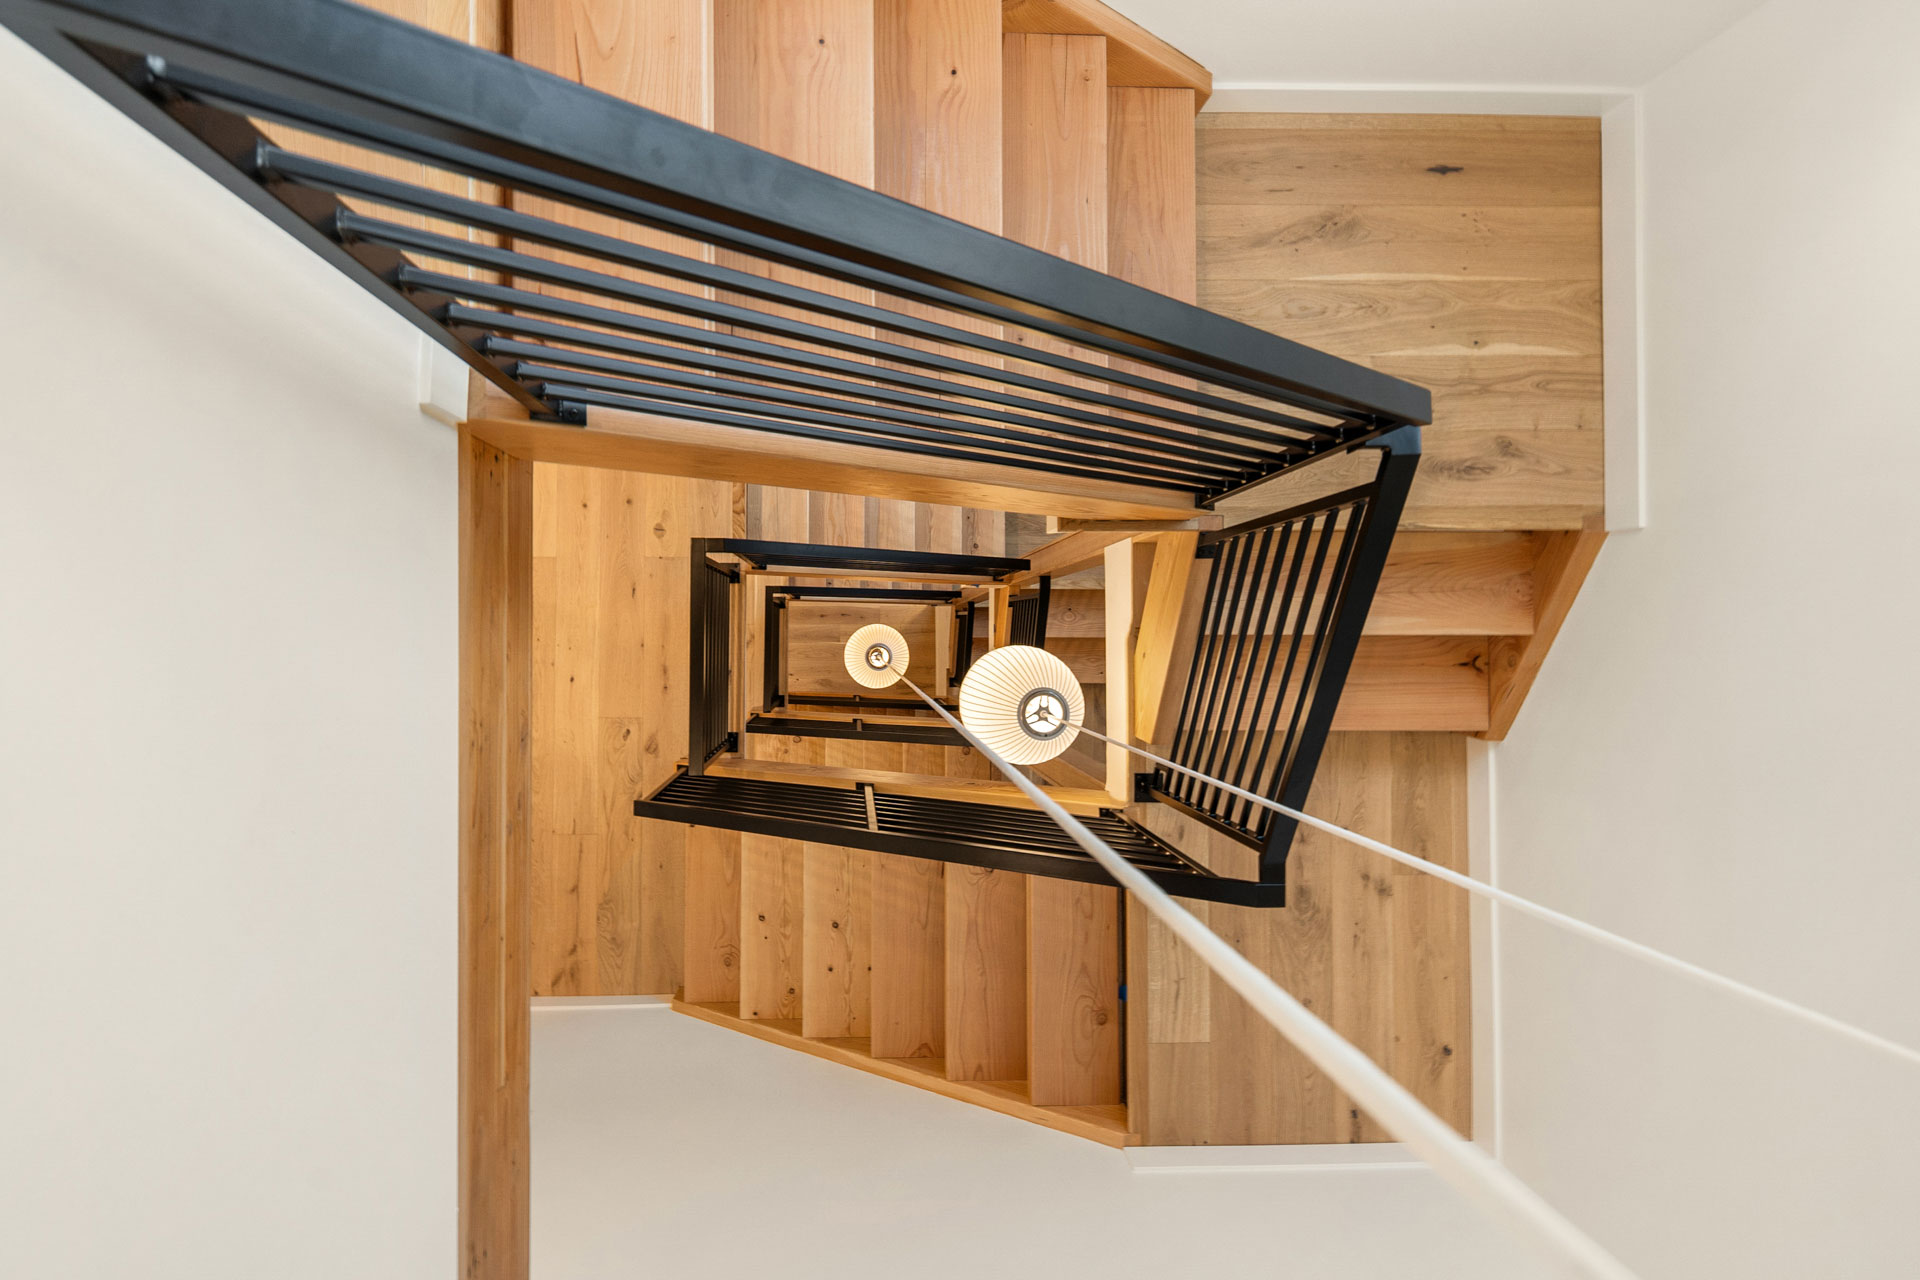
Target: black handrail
[1077, 374]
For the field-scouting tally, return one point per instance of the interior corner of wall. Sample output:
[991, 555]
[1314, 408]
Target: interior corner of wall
[442, 383]
[1623, 287]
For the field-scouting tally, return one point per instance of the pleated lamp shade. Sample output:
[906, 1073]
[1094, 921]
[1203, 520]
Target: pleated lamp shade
[1022, 702]
[876, 655]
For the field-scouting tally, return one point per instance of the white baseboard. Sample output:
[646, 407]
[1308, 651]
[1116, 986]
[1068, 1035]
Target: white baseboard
[1349, 1156]
[547, 1003]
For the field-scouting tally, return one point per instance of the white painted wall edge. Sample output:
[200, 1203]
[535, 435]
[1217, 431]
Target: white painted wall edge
[549, 1004]
[1373, 1157]
[443, 383]
[1621, 273]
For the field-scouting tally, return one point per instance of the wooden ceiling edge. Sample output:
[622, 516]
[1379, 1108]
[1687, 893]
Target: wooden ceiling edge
[1136, 58]
[1560, 568]
[624, 441]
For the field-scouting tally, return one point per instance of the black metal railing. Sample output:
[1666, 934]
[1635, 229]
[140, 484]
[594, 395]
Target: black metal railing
[714, 286]
[1281, 620]
[963, 640]
[710, 694]
[1027, 616]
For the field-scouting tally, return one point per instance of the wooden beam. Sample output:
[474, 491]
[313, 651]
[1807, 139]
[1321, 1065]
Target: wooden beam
[1560, 566]
[1135, 56]
[628, 441]
[986, 981]
[496, 855]
[1169, 624]
[1128, 566]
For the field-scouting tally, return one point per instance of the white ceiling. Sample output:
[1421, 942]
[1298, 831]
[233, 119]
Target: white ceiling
[1540, 43]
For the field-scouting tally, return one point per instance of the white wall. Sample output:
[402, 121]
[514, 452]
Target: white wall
[667, 1147]
[227, 728]
[1719, 755]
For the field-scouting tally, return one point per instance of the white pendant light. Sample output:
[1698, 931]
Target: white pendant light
[1022, 702]
[876, 655]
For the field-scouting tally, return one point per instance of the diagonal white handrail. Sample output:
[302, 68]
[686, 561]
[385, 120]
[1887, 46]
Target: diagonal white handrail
[1526, 906]
[1476, 1175]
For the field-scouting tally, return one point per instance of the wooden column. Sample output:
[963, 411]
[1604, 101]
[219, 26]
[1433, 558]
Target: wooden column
[1054, 142]
[496, 850]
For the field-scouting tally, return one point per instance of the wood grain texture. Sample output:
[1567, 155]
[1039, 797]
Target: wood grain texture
[772, 926]
[1074, 1029]
[909, 957]
[711, 969]
[1135, 56]
[1561, 562]
[1056, 156]
[1106, 1125]
[496, 856]
[838, 942]
[1381, 955]
[1152, 211]
[611, 905]
[621, 440]
[1458, 252]
[986, 982]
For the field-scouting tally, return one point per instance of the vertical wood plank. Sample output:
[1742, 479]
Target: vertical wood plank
[1432, 1005]
[613, 912]
[772, 926]
[986, 974]
[937, 110]
[496, 850]
[711, 972]
[838, 942]
[1073, 993]
[1054, 158]
[1362, 905]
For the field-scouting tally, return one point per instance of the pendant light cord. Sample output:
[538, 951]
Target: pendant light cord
[1526, 906]
[1477, 1176]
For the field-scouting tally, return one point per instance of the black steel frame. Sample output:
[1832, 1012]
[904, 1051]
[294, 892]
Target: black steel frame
[1131, 386]
[1280, 623]
[981, 835]
[1027, 620]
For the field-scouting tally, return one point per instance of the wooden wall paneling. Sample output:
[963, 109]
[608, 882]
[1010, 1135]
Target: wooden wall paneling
[986, 974]
[1432, 1005]
[1075, 1033]
[1054, 153]
[1459, 252]
[1382, 955]
[496, 852]
[1128, 565]
[613, 912]
[948, 950]
[711, 955]
[1361, 904]
[796, 78]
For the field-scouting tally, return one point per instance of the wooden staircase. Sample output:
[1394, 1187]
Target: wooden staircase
[1064, 126]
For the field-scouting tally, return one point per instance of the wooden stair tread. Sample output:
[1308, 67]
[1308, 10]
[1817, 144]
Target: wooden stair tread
[1103, 1124]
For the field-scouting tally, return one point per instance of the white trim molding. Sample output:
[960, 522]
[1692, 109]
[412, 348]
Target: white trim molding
[1618, 110]
[1373, 1157]
[549, 1004]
